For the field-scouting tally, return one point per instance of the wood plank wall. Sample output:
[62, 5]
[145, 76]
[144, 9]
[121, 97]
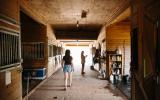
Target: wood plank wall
[9, 19]
[12, 91]
[144, 17]
[10, 8]
[32, 31]
[118, 36]
[49, 36]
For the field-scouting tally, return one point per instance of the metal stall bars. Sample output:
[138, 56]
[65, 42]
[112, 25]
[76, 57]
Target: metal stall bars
[32, 50]
[9, 49]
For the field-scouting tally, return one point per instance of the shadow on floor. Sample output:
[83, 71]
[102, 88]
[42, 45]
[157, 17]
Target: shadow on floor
[123, 86]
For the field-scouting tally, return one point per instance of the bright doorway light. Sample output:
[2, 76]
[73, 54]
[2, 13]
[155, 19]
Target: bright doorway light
[76, 54]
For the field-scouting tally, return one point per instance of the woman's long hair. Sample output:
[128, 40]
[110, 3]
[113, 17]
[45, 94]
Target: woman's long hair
[67, 53]
[67, 58]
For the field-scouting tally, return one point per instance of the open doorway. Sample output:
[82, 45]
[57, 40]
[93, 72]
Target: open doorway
[76, 54]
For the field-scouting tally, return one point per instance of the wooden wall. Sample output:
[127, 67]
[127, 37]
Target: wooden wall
[33, 31]
[117, 33]
[40, 32]
[118, 36]
[10, 8]
[9, 21]
[12, 91]
[145, 18]
[38, 29]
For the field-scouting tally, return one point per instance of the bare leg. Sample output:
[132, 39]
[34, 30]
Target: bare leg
[82, 71]
[65, 79]
[70, 78]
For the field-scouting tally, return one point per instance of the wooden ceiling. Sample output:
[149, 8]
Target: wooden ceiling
[90, 14]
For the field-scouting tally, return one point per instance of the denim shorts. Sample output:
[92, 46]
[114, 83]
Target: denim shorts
[67, 68]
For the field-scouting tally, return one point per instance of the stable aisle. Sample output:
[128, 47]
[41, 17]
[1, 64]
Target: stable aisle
[86, 87]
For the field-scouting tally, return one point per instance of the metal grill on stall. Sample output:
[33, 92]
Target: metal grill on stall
[32, 50]
[9, 49]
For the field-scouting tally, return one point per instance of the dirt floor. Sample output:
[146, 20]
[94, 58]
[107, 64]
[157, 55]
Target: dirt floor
[85, 87]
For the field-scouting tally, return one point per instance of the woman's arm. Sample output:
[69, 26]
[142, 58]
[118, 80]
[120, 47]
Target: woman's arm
[72, 65]
[62, 63]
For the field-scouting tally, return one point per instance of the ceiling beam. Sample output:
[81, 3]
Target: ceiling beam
[77, 35]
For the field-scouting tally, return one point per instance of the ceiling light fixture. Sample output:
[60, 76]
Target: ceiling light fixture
[84, 13]
[77, 23]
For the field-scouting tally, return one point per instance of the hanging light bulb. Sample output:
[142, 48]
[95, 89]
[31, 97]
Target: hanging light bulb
[77, 23]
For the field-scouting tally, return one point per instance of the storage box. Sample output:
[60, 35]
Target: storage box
[34, 73]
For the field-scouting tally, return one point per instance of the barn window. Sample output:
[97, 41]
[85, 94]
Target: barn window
[9, 49]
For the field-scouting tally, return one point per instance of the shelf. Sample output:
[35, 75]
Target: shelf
[116, 54]
[115, 61]
[118, 68]
[115, 64]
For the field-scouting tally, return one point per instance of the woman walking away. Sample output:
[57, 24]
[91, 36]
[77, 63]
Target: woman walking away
[83, 62]
[67, 66]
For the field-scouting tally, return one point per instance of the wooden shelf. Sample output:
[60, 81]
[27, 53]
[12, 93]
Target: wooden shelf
[114, 64]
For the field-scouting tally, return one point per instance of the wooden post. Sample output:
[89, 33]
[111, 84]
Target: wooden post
[123, 57]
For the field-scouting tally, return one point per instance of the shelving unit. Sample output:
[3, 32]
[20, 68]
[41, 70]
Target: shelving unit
[114, 66]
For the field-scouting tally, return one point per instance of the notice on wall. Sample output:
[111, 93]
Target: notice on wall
[8, 78]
